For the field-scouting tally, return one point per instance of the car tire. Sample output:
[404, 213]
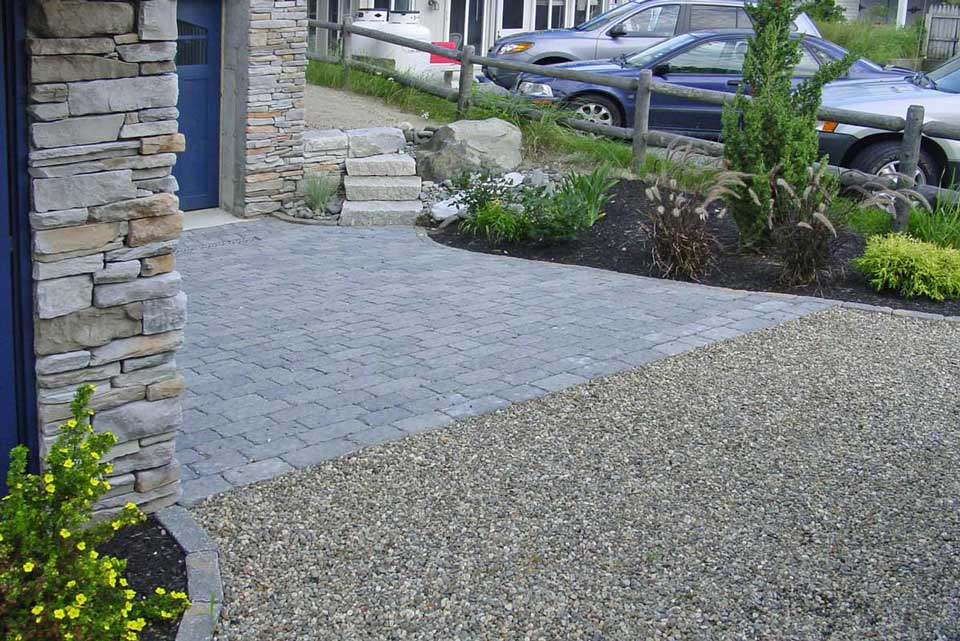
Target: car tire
[599, 109]
[884, 157]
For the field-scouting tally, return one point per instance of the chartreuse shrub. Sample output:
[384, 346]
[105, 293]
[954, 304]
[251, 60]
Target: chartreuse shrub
[911, 267]
[775, 131]
[54, 585]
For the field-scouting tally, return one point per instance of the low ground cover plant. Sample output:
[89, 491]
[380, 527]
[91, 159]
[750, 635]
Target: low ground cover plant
[501, 212]
[54, 585]
[317, 192]
[911, 267]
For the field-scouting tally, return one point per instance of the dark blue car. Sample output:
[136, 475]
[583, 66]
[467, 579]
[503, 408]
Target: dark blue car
[704, 59]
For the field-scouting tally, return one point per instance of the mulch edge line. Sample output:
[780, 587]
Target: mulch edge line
[204, 583]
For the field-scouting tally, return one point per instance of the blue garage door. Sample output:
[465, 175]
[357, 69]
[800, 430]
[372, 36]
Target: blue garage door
[198, 64]
[8, 345]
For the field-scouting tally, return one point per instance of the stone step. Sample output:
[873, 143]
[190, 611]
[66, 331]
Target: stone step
[372, 213]
[382, 187]
[382, 165]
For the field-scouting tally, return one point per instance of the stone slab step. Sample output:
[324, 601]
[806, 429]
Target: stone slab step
[372, 213]
[382, 165]
[382, 187]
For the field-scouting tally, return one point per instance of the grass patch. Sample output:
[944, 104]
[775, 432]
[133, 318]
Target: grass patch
[540, 136]
[878, 42]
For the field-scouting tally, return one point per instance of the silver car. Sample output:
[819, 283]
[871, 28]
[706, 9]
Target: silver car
[626, 28]
[875, 151]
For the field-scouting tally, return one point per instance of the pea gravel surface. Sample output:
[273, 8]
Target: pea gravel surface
[801, 482]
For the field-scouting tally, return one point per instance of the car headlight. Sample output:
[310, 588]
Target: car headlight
[514, 47]
[535, 89]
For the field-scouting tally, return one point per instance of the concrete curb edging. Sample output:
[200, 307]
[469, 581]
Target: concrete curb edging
[906, 313]
[204, 585]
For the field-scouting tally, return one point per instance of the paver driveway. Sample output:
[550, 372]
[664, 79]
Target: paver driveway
[306, 343]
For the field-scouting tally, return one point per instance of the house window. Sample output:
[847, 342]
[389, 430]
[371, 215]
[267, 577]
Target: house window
[513, 14]
[550, 14]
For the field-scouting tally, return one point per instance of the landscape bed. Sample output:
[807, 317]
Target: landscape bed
[153, 558]
[618, 243]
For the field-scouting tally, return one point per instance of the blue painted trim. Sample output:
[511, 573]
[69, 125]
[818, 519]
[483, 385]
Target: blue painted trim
[23, 276]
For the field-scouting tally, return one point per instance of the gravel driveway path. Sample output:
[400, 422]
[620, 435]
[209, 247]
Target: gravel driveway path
[800, 482]
[327, 108]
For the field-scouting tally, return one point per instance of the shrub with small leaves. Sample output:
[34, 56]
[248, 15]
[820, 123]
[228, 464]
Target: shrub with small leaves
[54, 584]
[911, 267]
[498, 224]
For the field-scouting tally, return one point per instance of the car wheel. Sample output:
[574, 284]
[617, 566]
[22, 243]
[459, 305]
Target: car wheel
[883, 159]
[598, 109]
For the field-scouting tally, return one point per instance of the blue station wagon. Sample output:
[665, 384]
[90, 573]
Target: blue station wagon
[706, 60]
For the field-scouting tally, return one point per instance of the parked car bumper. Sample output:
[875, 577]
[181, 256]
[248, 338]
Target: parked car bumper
[503, 77]
[835, 146]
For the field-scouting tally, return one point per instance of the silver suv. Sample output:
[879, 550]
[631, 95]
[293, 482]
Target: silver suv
[628, 27]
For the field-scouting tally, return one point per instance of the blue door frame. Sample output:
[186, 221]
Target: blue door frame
[198, 67]
[17, 396]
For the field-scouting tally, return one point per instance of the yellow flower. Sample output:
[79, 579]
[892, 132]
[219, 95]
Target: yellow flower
[51, 488]
[136, 624]
[62, 450]
[106, 485]
[112, 578]
[37, 609]
[96, 457]
[130, 506]
[58, 614]
[68, 636]
[128, 593]
[65, 533]
[131, 636]
[117, 525]
[28, 566]
[81, 546]
[179, 595]
[1, 537]
[123, 582]
[72, 423]
[81, 599]
[94, 554]
[71, 584]
[73, 612]
[160, 591]
[48, 478]
[165, 614]
[68, 463]
[108, 468]
[94, 482]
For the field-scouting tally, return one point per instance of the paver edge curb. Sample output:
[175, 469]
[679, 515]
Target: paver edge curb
[200, 621]
[905, 313]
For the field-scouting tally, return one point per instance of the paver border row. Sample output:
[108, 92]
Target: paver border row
[204, 583]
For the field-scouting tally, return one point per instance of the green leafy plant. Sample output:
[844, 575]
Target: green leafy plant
[911, 267]
[478, 191]
[577, 204]
[318, 190]
[683, 244]
[54, 584]
[823, 10]
[940, 226]
[777, 127]
[882, 43]
[498, 224]
[868, 221]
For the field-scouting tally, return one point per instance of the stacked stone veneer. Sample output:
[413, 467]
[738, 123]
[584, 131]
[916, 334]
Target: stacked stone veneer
[105, 222]
[274, 102]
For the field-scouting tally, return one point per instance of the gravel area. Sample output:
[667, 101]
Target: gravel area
[327, 108]
[799, 482]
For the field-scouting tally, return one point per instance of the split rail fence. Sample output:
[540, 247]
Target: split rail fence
[911, 127]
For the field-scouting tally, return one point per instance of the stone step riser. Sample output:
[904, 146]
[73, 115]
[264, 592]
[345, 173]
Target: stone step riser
[383, 165]
[373, 213]
[364, 188]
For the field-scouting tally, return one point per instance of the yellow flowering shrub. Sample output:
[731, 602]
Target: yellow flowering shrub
[53, 582]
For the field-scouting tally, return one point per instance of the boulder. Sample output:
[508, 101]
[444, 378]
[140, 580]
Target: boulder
[470, 146]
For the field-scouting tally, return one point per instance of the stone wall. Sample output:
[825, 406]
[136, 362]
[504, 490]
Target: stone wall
[274, 104]
[105, 221]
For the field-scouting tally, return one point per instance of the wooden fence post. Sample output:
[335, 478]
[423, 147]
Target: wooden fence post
[345, 46]
[641, 120]
[909, 157]
[466, 82]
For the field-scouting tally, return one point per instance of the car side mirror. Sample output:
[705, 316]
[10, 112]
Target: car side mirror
[661, 69]
[617, 31]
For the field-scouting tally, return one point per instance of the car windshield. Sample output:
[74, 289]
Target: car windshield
[606, 17]
[648, 56]
[946, 77]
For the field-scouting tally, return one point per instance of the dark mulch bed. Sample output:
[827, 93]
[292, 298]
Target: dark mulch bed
[617, 243]
[154, 559]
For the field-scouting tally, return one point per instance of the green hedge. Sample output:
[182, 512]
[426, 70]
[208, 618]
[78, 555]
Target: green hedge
[911, 267]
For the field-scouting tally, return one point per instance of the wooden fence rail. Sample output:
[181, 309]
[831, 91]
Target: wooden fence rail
[911, 127]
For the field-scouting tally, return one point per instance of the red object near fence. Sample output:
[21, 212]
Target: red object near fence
[440, 60]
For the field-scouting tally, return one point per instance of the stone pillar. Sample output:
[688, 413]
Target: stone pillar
[105, 221]
[275, 111]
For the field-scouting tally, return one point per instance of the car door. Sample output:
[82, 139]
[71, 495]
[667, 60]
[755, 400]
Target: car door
[716, 65]
[640, 30]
